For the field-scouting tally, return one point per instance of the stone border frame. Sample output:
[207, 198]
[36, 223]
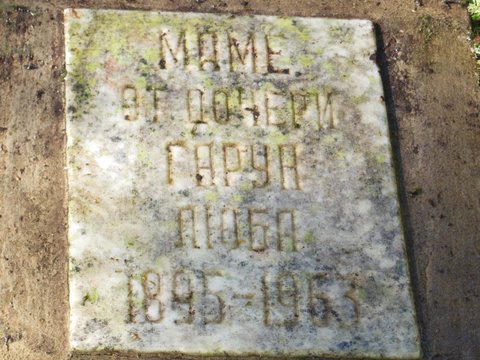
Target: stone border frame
[433, 102]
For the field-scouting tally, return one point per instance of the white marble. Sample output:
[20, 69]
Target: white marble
[231, 188]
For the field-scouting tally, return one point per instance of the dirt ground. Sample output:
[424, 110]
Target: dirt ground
[432, 96]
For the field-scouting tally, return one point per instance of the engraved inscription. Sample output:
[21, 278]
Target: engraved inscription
[203, 50]
[285, 298]
[266, 228]
[195, 164]
[313, 109]
[230, 188]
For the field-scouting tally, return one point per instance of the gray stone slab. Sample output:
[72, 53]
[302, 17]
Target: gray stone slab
[231, 188]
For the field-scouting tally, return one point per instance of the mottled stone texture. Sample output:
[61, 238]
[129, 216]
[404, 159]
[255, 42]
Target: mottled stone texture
[432, 100]
[231, 188]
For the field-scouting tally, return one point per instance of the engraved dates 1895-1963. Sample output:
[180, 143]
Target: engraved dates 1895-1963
[284, 298]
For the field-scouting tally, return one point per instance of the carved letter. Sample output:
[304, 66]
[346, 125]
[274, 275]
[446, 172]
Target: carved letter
[289, 167]
[306, 109]
[130, 103]
[276, 108]
[195, 106]
[221, 111]
[156, 105]
[288, 297]
[212, 48]
[326, 116]
[219, 314]
[318, 302]
[270, 53]
[230, 228]
[186, 227]
[234, 50]
[165, 48]
[204, 164]
[258, 152]
[286, 230]
[258, 232]
[173, 148]
[231, 160]
[182, 294]
[151, 304]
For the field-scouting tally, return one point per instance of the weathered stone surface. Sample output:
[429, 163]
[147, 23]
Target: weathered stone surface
[231, 188]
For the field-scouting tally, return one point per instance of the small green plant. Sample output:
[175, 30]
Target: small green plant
[473, 7]
[426, 28]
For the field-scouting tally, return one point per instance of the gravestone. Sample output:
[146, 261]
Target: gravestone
[231, 188]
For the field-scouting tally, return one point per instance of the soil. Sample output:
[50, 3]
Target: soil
[432, 96]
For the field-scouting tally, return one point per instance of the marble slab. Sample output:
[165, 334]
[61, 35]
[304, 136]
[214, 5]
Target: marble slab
[231, 188]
